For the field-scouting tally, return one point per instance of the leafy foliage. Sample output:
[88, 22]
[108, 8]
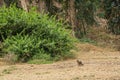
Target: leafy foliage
[112, 11]
[86, 9]
[33, 36]
[87, 40]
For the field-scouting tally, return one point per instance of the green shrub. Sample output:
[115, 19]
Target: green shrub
[101, 15]
[15, 21]
[112, 14]
[22, 46]
[33, 36]
[87, 40]
[39, 61]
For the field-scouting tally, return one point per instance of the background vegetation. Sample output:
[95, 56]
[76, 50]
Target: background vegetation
[33, 36]
[45, 29]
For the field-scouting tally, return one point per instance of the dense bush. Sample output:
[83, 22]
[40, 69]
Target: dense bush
[14, 21]
[33, 36]
[112, 14]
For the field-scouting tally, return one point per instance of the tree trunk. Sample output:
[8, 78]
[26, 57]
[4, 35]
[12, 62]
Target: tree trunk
[1, 3]
[72, 14]
[34, 3]
[42, 6]
[56, 4]
[24, 4]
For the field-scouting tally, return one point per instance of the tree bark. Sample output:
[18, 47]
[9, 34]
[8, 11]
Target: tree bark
[24, 4]
[34, 3]
[56, 4]
[42, 6]
[72, 13]
[1, 3]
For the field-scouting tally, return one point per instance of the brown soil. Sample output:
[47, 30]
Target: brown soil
[99, 64]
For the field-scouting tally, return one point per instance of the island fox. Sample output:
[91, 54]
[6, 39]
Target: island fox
[79, 63]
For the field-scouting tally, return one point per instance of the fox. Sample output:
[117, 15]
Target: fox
[80, 63]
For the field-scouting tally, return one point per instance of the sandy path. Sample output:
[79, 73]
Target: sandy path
[97, 66]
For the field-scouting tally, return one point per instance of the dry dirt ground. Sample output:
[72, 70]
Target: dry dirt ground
[99, 64]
